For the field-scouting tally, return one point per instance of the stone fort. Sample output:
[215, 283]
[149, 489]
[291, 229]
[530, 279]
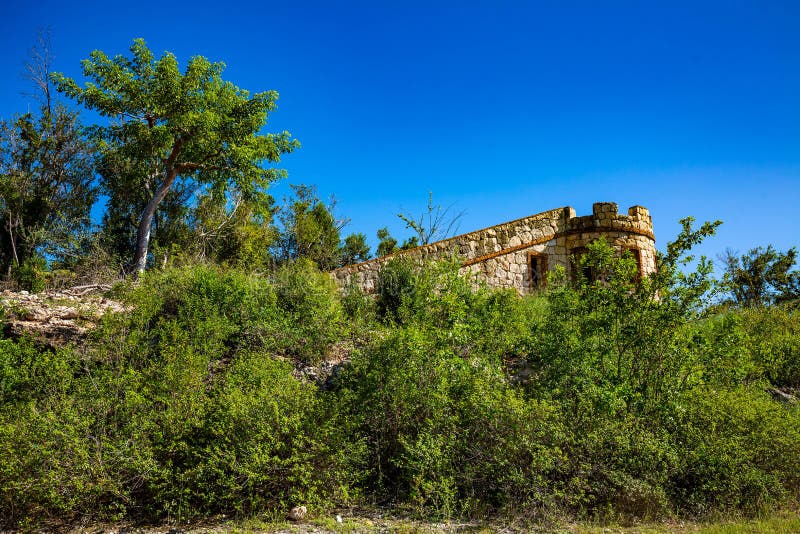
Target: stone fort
[518, 254]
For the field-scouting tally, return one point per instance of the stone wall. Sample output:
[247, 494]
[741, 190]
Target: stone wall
[517, 254]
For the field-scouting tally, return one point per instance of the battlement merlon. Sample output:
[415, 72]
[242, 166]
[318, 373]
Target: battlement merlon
[606, 210]
[606, 219]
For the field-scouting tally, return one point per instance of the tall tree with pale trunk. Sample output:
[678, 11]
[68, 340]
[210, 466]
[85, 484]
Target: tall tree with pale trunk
[166, 126]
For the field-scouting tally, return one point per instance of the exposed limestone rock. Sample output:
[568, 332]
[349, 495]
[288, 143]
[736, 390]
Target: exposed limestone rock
[325, 372]
[783, 395]
[55, 317]
[297, 513]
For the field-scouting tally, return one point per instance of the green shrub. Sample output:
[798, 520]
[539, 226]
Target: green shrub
[199, 292]
[261, 443]
[313, 318]
[32, 274]
[48, 462]
[357, 304]
[175, 409]
[447, 434]
[635, 402]
[618, 468]
[397, 286]
[722, 351]
[29, 373]
[738, 450]
[774, 342]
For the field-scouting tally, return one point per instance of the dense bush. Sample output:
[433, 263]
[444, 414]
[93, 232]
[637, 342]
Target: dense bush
[773, 339]
[447, 433]
[739, 450]
[397, 287]
[178, 408]
[603, 397]
[46, 448]
[32, 274]
[313, 317]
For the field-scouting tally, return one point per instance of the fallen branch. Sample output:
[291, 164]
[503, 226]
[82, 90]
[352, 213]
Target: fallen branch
[79, 291]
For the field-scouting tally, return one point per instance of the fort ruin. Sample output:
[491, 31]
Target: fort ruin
[518, 254]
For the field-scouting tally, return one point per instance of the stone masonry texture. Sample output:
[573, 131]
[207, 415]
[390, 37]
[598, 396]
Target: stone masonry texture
[517, 254]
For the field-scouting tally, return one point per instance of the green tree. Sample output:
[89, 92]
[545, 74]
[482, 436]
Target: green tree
[411, 242]
[387, 243]
[761, 277]
[611, 342]
[354, 249]
[46, 177]
[46, 186]
[308, 230]
[126, 202]
[229, 230]
[167, 125]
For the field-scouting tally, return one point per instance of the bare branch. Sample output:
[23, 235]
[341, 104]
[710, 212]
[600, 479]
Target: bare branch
[226, 220]
[37, 68]
[434, 224]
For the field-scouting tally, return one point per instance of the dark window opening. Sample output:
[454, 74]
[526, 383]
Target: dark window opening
[637, 257]
[537, 269]
[575, 256]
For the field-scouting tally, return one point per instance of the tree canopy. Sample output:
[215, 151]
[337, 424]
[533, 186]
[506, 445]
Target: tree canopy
[47, 184]
[761, 277]
[167, 125]
[308, 229]
[354, 249]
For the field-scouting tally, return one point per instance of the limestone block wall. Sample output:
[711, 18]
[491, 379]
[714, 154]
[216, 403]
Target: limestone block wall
[517, 254]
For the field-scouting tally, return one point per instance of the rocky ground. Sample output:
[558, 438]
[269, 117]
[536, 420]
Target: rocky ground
[55, 318]
[782, 522]
[314, 527]
[61, 317]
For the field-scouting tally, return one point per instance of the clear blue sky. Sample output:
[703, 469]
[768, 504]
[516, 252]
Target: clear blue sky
[501, 108]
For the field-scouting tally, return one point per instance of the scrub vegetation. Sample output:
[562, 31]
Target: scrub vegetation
[240, 381]
[608, 398]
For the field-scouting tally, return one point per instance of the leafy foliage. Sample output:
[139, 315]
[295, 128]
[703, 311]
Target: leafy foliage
[313, 317]
[387, 244]
[230, 230]
[46, 187]
[605, 397]
[178, 409]
[308, 230]
[447, 433]
[761, 277]
[354, 249]
[771, 336]
[168, 126]
[610, 395]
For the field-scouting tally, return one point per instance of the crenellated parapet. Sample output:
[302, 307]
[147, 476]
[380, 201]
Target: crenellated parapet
[605, 217]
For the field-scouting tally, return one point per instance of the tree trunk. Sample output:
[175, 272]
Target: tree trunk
[13, 240]
[143, 235]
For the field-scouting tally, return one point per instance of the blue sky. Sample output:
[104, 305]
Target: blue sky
[500, 108]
